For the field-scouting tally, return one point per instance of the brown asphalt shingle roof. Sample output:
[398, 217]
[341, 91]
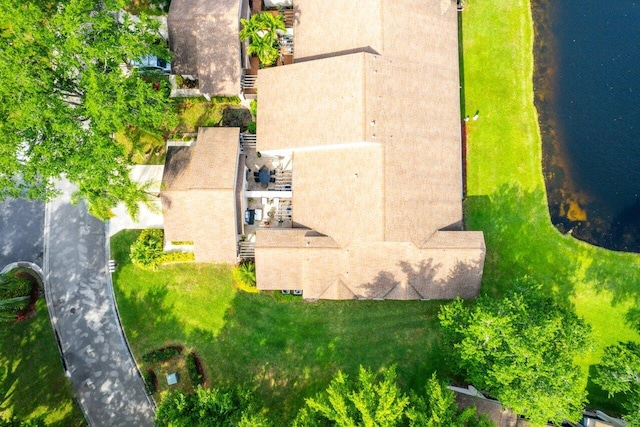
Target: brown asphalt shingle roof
[203, 36]
[372, 115]
[198, 194]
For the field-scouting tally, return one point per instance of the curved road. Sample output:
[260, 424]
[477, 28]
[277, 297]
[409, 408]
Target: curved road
[81, 305]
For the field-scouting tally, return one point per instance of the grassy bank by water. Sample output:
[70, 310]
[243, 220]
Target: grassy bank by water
[506, 192]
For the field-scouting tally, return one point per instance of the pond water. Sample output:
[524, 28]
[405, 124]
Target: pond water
[587, 84]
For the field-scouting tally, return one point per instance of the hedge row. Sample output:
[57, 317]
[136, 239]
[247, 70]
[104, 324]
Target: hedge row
[150, 382]
[162, 354]
[194, 371]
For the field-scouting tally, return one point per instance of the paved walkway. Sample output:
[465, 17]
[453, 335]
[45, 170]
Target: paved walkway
[147, 218]
[83, 312]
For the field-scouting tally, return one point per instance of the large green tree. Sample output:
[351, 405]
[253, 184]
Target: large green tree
[65, 89]
[370, 401]
[619, 373]
[520, 350]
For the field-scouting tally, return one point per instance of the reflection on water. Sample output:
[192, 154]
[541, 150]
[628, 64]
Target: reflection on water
[587, 85]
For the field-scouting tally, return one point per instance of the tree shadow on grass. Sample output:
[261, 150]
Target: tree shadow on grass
[288, 351]
[32, 380]
[599, 399]
[522, 241]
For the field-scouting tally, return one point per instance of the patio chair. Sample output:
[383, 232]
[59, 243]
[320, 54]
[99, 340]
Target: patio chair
[272, 179]
[255, 174]
[272, 172]
[256, 179]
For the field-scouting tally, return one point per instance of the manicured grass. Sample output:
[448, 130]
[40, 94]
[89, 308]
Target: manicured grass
[506, 192]
[282, 348]
[32, 380]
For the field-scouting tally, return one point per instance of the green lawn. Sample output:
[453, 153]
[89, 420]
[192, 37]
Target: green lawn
[506, 192]
[32, 380]
[281, 347]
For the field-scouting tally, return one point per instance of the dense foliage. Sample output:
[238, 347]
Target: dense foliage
[150, 382]
[245, 275]
[193, 370]
[520, 350]
[619, 373]
[66, 87]
[148, 248]
[373, 402]
[261, 31]
[209, 408]
[14, 295]
[162, 354]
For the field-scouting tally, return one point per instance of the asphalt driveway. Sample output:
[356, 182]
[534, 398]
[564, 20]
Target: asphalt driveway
[21, 231]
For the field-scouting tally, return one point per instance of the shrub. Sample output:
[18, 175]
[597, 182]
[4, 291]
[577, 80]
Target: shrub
[162, 354]
[245, 276]
[176, 257]
[182, 242]
[150, 381]
[251, 127]
[193, 369]
[179, 81]
[13, 287]
[253, 106]
[148, 249]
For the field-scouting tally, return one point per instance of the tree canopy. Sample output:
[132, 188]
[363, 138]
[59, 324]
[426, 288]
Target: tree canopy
[619, 373]
[520, 350]
[209, 408]
[370, 401]
[65, 89]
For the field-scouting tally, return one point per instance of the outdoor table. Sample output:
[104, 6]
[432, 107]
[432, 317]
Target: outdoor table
[264, 176]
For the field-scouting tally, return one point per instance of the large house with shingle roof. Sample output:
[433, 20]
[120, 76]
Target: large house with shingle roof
[363, 135]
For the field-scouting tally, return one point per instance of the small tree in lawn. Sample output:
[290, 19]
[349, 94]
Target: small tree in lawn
[619, 373]
[520, 351]
[261, 31]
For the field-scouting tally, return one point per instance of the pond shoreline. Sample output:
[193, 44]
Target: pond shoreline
[573, 210]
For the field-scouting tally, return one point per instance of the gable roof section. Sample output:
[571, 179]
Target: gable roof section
[344, 101]
[321, 29]
[203, 36]
[389, 270]
[312, 104]
[408, 30]
[198, 197]
[339, 192]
